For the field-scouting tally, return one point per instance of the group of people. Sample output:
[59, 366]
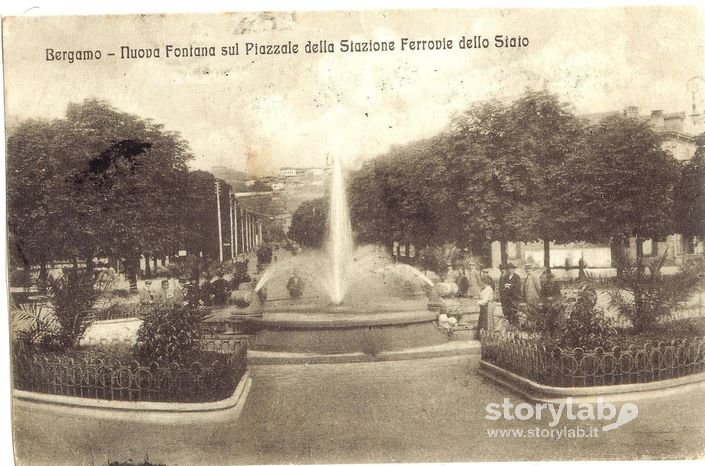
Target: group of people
[167, 292]
[210, 292]
[470, 282]
[216, 292]
[514, 292]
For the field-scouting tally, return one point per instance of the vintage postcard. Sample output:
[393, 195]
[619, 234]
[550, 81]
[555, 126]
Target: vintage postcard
[356, 236]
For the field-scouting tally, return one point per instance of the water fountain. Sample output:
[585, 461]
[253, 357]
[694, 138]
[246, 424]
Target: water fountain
[357, 299]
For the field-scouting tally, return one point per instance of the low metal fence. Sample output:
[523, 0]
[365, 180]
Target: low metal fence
[122, 311]
[225, 362]
[575, 367]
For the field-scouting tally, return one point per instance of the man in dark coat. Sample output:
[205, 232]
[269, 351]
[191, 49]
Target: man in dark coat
[510, 293]
[463, 284]
[295, 285]
[220, 291]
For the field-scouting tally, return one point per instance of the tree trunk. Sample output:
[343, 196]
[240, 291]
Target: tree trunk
[89, 264]
[640, 254]
[638, 296]
[547, 254]
[147, 268]
[503, 255]
[155, 264]
[131, 266]
[27, 278]
[75, 262]
[43, 278]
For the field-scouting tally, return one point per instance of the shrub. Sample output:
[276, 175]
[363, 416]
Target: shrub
[170, 334]
[587, 327]
[547, 319]
[33, 324]
[645, 296]
[570, 320]
[73, 296]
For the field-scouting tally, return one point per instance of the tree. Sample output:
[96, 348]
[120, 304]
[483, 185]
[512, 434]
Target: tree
[621, 184]
[689, 196]
[490, 176]
[308, 223]
[546, 133]
[131, 208]
[98, 182]
[395, 197]
[496, 183]
[35, 194]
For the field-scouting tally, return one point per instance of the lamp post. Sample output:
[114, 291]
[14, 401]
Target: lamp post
[220, 227]
[232, 232]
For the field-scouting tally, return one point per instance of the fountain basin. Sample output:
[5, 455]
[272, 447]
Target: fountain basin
[337, 319]
[341, 329]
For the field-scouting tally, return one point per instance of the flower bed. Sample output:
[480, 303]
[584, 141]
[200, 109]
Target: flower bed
[575, 367]
[210, 375]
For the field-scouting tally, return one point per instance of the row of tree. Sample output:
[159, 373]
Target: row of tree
[530, 170]
[103, 183]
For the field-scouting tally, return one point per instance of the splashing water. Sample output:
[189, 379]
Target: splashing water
[340, 243]
[341, 267]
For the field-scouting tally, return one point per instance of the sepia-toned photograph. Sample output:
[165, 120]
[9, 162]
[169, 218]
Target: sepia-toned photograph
[370, 236]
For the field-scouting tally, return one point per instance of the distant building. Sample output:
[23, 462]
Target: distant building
[290, 172]
[315, 171]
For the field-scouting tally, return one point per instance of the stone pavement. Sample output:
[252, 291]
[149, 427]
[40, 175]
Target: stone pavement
[429, 410]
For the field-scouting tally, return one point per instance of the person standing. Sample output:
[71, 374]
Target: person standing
[532, 286]
[502, 281]
[165, 295]
[485, 321]
[147, 296]
[475, 281]
[463, 284]
[206, 289]
[220, 291]
[510, 293]
[295, 285]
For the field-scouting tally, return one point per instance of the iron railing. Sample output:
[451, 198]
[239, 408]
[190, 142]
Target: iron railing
[121, 311]
[112, 379]
[576, 367]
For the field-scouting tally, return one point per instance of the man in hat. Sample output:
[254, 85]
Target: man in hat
[147, 295]
[532, 285]
[295, 285]
[475, 284]
[510, 293]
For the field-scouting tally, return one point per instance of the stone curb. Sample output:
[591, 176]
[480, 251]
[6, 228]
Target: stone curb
[122, 320]
[534, 391]
[459, 348]
[138, 411]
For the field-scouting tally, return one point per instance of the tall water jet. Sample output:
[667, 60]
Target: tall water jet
[340, 242]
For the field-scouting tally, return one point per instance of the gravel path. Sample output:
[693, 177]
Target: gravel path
[411, 411]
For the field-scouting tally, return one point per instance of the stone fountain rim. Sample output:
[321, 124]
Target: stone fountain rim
[336, 319]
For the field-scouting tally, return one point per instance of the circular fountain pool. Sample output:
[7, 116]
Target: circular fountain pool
[356, 299]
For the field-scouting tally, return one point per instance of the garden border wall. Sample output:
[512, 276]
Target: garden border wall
[627, 392]
[138, 411]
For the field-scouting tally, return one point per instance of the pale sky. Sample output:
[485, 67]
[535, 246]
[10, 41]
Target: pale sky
[295, 109]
